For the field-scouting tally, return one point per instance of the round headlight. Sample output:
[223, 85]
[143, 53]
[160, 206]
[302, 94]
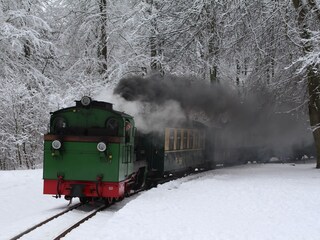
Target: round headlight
[56, 144]
[101, 146]
[85, 101]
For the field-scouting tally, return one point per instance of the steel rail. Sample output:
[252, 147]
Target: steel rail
[75, 225]
[45, 221]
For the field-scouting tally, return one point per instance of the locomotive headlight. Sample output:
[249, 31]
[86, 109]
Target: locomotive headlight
[56, 144]
[85, 101]
[101, 147]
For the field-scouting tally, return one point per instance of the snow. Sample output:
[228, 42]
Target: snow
[254, 201]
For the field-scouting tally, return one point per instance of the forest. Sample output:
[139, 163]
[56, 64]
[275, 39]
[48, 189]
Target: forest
[55, 51]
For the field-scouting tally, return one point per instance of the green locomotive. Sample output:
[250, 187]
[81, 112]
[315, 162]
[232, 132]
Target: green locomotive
[93, 151]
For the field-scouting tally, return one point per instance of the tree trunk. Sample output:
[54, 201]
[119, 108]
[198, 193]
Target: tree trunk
[313, 78]
[155, 52]
[103, 50]
[314, 107]
[238, 68]
[212, 43]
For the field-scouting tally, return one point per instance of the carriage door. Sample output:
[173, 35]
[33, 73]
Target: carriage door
[128, 147]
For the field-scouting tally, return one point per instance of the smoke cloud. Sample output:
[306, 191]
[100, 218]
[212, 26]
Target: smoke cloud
[190, 94]
[255, 120]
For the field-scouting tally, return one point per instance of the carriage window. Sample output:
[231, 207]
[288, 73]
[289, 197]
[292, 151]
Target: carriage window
[178, 143]
[185, 139]
[191, 139]
[196, 140]
[171, 139]
[166, 143]
[202, 141]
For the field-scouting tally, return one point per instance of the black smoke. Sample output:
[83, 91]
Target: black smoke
[255, 120]
[191, 94]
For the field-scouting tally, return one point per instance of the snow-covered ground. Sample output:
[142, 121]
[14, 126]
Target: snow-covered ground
[267, 201]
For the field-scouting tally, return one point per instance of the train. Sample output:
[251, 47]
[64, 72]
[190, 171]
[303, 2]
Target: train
[92, 151]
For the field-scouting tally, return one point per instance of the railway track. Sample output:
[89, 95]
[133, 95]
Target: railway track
[75, 225]
[62, 227]
[66, 221]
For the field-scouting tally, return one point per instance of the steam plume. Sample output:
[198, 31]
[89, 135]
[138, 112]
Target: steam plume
[256, 121]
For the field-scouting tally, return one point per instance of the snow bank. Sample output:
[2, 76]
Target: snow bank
[247, 202]
[271, 201]
[22, 202]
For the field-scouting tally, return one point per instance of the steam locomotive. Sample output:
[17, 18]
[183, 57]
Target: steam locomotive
[94, 152]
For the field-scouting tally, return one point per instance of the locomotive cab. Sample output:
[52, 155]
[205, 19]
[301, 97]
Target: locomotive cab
[88, 152]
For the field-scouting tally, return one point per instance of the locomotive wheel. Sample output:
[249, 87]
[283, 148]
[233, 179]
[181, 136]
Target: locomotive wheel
[108, 201]
[118, 199]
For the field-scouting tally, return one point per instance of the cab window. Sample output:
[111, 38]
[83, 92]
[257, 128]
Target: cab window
[128, 129]
[112, 126]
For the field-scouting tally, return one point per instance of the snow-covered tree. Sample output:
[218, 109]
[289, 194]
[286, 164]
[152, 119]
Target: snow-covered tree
[25, 56]
[54, 51]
